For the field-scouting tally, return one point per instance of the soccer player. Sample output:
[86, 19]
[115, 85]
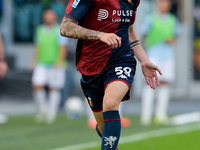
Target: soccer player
[105, 58]
[49, 67]
[159, 30]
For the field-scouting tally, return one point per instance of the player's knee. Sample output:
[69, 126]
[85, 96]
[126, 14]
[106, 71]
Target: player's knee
[110, 104]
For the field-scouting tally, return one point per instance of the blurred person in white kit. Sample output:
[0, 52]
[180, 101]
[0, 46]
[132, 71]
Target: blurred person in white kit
[50, 64]
[159, 30]
[3, 71]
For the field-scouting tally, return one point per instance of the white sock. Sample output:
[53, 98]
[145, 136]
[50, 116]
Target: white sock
[40, 99]
[54, 103]
[162, 102]
[147, 105]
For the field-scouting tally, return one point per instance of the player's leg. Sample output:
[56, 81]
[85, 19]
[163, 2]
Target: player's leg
[100, 122]
[90, 116]
[114, 93]
[125, 122]
[56, 82]
[39, 93]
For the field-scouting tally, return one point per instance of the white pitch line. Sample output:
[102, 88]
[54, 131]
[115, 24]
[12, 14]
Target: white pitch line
[139, 136]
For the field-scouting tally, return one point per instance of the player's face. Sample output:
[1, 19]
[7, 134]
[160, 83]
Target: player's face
[49, 17]
[164, 6]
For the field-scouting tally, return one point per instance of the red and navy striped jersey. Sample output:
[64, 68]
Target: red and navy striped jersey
[110, 16]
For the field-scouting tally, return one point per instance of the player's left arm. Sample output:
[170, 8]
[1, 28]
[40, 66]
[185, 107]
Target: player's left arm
[148, 68]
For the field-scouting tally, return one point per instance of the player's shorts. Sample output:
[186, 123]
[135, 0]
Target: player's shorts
[47, 75]
[167, 68]
[93, 86]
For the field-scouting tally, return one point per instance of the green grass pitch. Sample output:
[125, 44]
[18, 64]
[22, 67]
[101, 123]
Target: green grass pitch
[22, 133]
[186, 141]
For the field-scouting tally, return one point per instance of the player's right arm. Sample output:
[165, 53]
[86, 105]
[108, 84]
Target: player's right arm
[70, 28]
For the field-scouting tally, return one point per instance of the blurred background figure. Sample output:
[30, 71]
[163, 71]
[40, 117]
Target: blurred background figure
[159, 30]
[197, 41]
[3, 71]
[49, 60]
[3, 64]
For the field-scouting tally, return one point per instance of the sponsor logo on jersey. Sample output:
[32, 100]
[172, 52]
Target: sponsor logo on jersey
[90, 101]
[110, 141]
[75, 4]
[123, 14]
[123, 77]
[103, 14]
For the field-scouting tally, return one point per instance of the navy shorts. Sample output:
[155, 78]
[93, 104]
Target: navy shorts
[93, 86]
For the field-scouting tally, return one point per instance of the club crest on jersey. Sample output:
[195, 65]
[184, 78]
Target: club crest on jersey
[90, 101]
[129, 1]
[75, 4]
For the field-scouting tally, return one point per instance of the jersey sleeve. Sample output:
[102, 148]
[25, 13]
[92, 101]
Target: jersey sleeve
[134, 12]
[76, 9]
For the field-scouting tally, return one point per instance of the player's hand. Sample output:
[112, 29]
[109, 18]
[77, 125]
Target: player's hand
[150, 73]
[111, 39]
[3, 69]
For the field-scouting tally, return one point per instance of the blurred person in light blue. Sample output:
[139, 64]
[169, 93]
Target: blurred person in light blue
[159, 30]
[49, 67]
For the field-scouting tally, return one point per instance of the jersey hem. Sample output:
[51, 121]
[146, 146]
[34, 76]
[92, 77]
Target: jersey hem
[97, 110]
